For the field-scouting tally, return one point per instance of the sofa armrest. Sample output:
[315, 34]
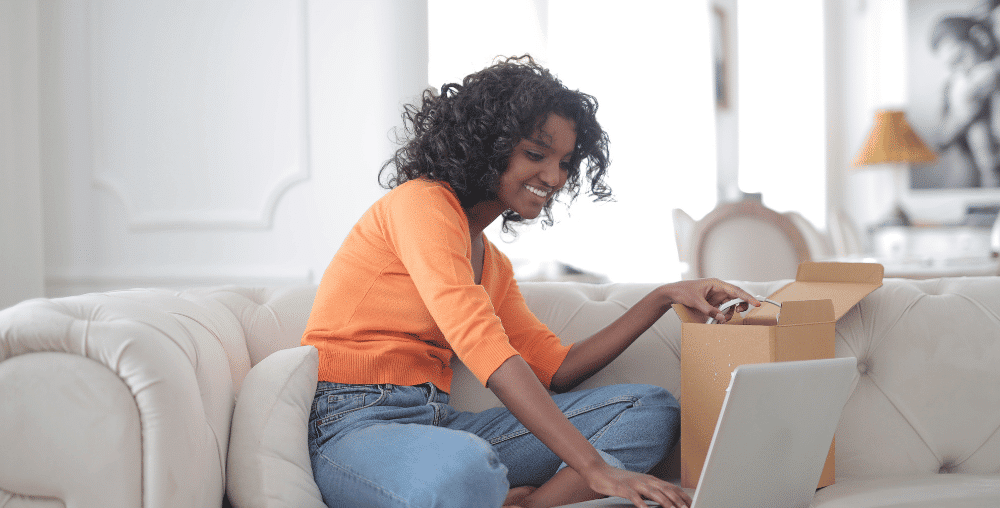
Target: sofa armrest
[70, 431]
[142, 379]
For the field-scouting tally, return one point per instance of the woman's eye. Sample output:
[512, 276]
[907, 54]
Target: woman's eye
[535, 156]
[566, 165]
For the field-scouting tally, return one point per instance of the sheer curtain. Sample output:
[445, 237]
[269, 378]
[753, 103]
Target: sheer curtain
[648, 64]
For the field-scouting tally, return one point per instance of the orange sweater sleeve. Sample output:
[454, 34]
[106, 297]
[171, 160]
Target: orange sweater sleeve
[429, 233]
[540, 348]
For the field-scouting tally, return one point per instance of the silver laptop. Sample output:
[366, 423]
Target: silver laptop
[773, 436]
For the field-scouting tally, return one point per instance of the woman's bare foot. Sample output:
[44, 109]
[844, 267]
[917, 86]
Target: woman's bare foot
[516, 495]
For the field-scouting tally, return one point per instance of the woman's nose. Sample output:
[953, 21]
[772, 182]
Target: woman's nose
[553, 175]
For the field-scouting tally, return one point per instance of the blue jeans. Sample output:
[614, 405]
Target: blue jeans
[404, 446]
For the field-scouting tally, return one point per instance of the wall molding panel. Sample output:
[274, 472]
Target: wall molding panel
[255, 217]
[199, 109]
[68, 283]
[176, 137]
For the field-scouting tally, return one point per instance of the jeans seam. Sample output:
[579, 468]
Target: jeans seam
[597, 435]
[506, 437]
[616, 400]
[345, 470]
[437, 413]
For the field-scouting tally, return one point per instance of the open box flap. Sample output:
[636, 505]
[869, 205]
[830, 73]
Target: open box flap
[845, 284]
[792, 312]
[862, 273]
[800, 312]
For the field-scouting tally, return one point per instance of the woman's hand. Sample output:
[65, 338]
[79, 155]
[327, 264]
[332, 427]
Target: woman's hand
[635, 487]
[593, 353]
[706, 295]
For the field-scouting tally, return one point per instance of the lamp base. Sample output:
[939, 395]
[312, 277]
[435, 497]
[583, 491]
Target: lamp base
[896, 217]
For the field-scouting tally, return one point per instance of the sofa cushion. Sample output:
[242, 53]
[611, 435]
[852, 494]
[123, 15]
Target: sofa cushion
[951, 490]
[268, 463]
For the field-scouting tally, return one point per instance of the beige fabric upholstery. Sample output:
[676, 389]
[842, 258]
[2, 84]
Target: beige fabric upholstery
[995, 239]
[845, 239]
[819, 244]
[747, 241]
[126, 398]
[267, 466]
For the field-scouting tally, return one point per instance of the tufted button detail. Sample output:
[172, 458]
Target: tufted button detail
[946, 467]
[862, 367]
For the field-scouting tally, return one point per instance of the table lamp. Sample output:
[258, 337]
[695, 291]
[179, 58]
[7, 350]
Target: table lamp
[892, 141]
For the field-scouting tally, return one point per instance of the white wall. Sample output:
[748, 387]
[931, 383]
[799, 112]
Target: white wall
[366, 60]
[252, 169]
[220, 142]
[21, 266]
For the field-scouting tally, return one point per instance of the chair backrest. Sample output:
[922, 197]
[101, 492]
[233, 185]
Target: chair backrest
[747, 241]
[994, 237]
[995, 241]
[683, 229]
[844, 235]
[820, 245]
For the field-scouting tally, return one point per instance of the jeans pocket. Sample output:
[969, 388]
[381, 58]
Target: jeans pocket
[335, 401]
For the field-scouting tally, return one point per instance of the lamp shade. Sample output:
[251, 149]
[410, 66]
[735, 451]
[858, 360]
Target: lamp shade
[893, 140]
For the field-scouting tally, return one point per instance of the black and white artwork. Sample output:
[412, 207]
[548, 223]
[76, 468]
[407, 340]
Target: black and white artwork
[953, 80]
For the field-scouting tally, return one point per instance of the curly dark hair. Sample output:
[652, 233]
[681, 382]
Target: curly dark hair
[464, 135]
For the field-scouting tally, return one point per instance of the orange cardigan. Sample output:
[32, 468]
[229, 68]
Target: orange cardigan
[399, 299]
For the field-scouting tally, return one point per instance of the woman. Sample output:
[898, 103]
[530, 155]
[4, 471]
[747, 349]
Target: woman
[416, 282]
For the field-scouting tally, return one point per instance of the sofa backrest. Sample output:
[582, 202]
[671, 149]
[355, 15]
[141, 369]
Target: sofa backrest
[270, 318]
[927, 399]
[928, 395]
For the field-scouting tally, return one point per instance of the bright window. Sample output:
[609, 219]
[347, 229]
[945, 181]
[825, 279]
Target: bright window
[782, 117]
[648, 63]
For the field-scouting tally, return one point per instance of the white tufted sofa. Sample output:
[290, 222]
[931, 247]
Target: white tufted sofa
[129, 398]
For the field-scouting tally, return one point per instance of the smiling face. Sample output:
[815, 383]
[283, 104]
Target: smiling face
[538, 167]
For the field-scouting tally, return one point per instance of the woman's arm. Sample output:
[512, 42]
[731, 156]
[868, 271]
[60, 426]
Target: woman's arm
[594, 353]
[516, 385]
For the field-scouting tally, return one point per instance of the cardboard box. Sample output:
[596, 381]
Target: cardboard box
[804, 330]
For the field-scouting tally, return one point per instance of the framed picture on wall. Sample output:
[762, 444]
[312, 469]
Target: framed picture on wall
[953, 49]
